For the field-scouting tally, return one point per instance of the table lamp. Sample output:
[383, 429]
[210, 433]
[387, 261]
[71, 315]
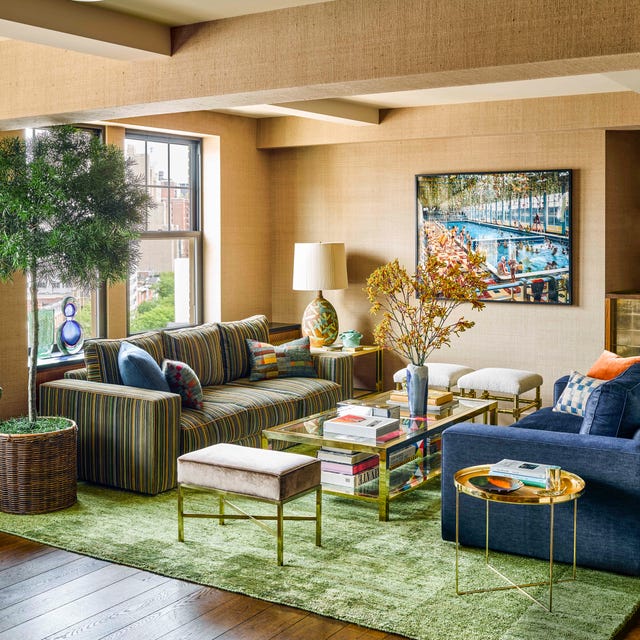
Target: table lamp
[318, 266]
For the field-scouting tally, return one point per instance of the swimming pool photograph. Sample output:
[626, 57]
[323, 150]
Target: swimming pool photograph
[519, 221]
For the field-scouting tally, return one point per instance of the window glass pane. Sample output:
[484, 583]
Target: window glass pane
[162, 290]
[51, 300]
[135, 151]
[159, 213]
[157, 163]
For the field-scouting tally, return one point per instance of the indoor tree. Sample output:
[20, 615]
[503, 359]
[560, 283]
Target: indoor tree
[71, 210]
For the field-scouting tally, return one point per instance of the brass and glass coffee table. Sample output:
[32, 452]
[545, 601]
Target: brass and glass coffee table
[572, 487]
[397, 474]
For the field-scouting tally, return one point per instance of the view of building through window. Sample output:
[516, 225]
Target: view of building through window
[163, 290]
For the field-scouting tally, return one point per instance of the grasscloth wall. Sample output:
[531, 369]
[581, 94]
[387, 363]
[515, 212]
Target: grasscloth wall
[363, 194]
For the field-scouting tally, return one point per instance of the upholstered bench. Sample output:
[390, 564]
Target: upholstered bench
[503, 384]
[441, 374]
[275, 477]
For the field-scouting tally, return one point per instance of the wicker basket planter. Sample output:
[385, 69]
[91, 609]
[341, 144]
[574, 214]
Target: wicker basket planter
[38, 471]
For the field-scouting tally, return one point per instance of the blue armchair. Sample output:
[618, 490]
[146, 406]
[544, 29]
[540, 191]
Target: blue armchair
[608, 533]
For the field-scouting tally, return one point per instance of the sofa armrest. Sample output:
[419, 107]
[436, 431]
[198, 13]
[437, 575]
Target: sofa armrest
[127, 437]
[76, 374]
[608, 517]
[337, 367]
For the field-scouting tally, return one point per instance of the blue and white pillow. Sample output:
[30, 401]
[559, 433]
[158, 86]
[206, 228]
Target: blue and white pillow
[574, 398]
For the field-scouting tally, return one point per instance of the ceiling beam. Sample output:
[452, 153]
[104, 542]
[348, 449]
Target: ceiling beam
[84, 28]
[331, 111]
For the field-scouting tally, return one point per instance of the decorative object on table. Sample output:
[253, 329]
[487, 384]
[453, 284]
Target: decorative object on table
[70, 337]
[520, 221]
[71, 209]
[416, 311]
[318, 266]
[350, 338]
[496, 484]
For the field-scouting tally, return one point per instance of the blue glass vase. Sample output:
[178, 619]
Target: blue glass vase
[417, 389]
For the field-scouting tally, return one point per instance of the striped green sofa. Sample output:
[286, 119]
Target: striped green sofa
[130, 437]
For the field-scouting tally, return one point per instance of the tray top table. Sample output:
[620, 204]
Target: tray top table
[572, 487]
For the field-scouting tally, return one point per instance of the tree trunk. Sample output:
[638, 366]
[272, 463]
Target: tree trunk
[33, 354]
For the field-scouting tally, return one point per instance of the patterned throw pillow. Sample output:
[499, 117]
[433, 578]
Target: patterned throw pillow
[183, 380]
[574, 398]
[285, 360]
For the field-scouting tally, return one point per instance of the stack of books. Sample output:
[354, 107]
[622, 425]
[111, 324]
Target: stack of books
[530, 473]
[366, 429]
[364, 408]
[346, 470]
[437, 401]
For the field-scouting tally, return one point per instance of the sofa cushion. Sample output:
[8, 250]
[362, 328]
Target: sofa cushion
[235, 353]
[292, 359]
[546, 419]
[138, 369]
[313, 394]
[182, 380]
[101, 355]
[200, 348]
[574, 398]
[614, 408]
[609, 365]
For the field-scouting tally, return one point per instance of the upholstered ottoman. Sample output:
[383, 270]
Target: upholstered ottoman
[276, 477]
[503, 384]
[441, 374]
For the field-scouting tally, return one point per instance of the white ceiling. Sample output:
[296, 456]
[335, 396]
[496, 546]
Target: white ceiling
[345, 109]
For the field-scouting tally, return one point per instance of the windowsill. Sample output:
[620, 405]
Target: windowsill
[58, 361]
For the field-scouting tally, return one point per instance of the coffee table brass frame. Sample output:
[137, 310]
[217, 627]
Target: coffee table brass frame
[572, 488]
[295, 432]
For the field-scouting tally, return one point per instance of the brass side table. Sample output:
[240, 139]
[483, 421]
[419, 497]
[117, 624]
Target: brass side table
[572, 487]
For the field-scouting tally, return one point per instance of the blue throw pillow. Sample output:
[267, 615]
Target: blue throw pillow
[576, 394]
[138, 369]
[614, 409]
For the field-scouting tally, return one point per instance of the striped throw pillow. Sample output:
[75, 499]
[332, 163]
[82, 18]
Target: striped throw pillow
[292, 359]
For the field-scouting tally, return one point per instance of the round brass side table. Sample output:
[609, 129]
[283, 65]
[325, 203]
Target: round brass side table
[572, 487]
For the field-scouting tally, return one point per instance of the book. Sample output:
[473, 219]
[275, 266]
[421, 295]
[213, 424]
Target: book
[366, 427]
[530, 473]
[349, 469]
[431, 408]
[344, 480]
[434, 397]
[343, 456]
[364, 408]
[401, 456]
[352, 349]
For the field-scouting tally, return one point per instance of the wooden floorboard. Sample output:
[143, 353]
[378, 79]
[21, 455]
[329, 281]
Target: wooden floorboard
[46, 593]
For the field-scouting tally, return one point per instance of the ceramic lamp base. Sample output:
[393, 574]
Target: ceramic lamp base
[320, 322]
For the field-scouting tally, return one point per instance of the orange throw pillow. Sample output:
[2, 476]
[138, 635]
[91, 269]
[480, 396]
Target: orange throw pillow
[609, 365]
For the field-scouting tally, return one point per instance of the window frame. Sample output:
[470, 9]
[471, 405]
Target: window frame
[195, 197]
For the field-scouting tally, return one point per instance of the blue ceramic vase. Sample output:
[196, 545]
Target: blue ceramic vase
[417, 389]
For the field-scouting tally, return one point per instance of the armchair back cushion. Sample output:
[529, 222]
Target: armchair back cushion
[613, 409]
[235, 352]
[201, 348]
[101, 355]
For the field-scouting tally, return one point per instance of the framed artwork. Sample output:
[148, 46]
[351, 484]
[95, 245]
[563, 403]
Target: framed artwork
[520, 221]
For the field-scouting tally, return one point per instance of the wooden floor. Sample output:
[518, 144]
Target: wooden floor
[49, 593]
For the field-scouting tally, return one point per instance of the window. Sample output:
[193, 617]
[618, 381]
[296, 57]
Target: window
[164, 289]
[52, 298]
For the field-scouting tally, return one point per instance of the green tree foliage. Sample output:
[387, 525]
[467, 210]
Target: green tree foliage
[160, 311]
[71, 210]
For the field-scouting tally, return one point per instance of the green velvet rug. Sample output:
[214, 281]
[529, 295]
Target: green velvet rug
[395, 576]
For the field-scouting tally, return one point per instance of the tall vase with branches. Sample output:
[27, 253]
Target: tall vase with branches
[71, 210]
[418, 310]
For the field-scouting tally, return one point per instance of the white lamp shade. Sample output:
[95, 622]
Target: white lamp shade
[319, 266]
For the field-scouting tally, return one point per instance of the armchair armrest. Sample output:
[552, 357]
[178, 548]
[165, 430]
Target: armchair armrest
[337, 367]
[127, 437]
